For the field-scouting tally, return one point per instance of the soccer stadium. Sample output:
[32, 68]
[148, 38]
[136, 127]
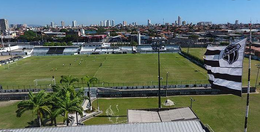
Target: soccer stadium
[137, 70]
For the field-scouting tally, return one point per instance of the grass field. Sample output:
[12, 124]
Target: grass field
[9, 120]
[115, 68]
[224, 113]
[199, 52]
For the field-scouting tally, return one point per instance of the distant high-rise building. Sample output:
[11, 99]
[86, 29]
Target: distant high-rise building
[101, 24]
[179, 21]
[176, 23]
[105, 23]
[108, 23]
[204, 23]
[113, 23]
[183, 23]
[149, 23]
[52, 24]
[62, 23]
[4, 26]
[74, 23]
[124, 23]
[236, 22]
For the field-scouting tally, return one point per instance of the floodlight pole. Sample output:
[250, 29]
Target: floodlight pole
[97, 98]
[159, 77]
[166, 83]
[89, 97]
[191, 100]
[258, 66]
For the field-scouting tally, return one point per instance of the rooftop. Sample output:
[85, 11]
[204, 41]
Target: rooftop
[176, 126]
[163, 115]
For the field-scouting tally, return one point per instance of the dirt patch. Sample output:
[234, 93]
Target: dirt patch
[4, 57]
[6, 103]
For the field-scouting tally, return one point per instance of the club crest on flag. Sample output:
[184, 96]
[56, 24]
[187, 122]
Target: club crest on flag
[224, 65]
[231, 53]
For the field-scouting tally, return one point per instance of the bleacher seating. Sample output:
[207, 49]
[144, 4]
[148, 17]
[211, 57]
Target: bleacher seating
[70, 50]
[40, 50]
[56, 50]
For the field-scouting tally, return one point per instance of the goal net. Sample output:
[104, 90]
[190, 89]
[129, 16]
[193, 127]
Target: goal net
[44, 81]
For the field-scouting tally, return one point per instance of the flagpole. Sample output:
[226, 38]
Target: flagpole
[248, 88]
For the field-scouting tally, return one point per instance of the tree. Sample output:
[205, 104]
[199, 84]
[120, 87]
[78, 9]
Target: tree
[68, 80]
[113, 34]
[65, 87]
[63, 30]
[67, 105]
[89, 80]
[39, 103]
[133, 43]
[194, 37]
[29, 36]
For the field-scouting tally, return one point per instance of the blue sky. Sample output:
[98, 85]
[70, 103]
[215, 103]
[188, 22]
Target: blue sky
[88, 12]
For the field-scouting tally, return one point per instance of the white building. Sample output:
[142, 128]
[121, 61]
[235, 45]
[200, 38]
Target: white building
[52, 24]
[108, 23]
[74, 23]
[113, 23]
[105, 23]
[82, 32]
[149, 23]
[62, 24]
[179, 21]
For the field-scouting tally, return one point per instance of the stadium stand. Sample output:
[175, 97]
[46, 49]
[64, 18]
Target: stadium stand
[55, 50]
[40, 50]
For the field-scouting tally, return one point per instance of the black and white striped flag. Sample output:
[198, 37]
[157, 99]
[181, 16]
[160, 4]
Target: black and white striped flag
[225, 66]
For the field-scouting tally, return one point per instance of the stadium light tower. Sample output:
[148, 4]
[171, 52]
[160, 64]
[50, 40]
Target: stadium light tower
[258, 66]
[157, 46]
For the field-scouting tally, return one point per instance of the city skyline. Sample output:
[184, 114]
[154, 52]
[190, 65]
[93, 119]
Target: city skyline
[217, 12]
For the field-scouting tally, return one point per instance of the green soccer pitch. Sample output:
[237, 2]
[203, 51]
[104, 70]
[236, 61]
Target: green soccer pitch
[124, 68]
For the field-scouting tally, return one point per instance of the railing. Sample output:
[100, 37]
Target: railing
[107, 84]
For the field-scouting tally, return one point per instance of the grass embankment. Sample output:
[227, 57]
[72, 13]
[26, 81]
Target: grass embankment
[224, 113]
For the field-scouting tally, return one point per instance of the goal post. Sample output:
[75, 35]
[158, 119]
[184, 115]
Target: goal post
[44, 81]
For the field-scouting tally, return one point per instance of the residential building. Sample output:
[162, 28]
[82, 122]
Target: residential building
[74, 23]
[4, 26]
[179, 21]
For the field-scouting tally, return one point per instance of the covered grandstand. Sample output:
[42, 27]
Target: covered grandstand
[149, 49]
[55, 50]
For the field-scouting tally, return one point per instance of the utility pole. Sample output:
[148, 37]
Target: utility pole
[191, 100]
[157, 48]
[258, 66]
[166, 83]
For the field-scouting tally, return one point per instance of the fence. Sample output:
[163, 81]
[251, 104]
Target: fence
[106, 84]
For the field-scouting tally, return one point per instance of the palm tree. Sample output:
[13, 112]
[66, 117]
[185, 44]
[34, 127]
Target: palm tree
[89, 80]
[53, 115]
[38, 103]
[68, 80]
[68, 105]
